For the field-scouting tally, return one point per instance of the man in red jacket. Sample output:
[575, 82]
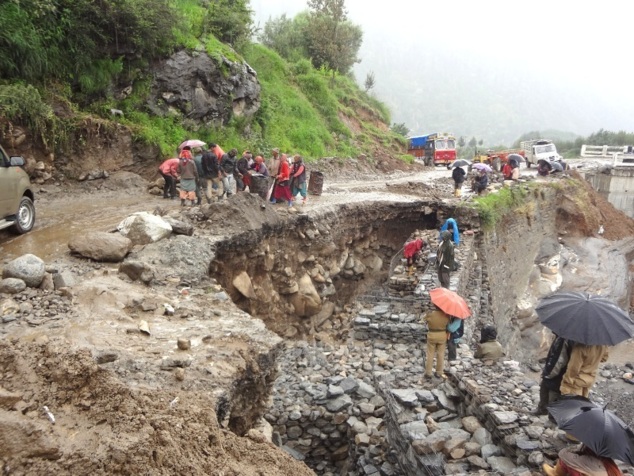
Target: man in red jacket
[169, 171]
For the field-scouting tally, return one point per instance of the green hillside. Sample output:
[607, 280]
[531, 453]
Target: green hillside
[57, 76]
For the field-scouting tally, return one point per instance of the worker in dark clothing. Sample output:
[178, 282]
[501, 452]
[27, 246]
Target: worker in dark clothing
[458, 176]
[211, 174]
[445, 262]
[554, 370]
[481, 182]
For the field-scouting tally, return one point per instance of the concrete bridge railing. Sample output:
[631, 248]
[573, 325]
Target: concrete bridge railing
[604, 151]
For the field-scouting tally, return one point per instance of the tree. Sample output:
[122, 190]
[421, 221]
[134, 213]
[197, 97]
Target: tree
[369, 81]
[230, 21]
[473, 142]
[480, 142]
[461, 141]
[333, 41]
[400, 129]
[286, 36]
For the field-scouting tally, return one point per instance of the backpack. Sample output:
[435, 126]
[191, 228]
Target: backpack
[458, 333]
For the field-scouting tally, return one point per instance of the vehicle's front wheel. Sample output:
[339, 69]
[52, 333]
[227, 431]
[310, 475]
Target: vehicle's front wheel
[25, 218]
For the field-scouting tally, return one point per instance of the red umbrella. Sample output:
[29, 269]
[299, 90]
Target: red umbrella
[450, 302]
[192, 143]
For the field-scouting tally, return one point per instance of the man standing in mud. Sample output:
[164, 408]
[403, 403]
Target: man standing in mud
[445, 258]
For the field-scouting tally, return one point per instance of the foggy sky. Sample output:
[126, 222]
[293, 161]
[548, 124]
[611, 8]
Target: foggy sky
[581, 48]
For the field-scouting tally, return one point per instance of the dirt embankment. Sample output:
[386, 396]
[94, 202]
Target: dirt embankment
[98, 425]
[582, 212]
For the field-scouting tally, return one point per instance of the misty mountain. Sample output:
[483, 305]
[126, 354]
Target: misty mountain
[432, 89]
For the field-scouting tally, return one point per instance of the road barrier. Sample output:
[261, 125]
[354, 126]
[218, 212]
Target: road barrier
[604, 151]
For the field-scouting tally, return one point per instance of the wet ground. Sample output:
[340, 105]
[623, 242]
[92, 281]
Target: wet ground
[61, 214]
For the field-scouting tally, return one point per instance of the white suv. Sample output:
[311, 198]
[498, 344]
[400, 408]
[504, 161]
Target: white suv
[16, 195]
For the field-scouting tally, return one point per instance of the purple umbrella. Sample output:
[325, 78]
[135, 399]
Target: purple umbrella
[480, 166]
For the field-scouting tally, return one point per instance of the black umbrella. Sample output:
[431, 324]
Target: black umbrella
[597, 428]
[516, 158]
[584, 318]
[460, 163]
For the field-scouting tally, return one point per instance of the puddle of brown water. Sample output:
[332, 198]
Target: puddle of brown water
[58, 221]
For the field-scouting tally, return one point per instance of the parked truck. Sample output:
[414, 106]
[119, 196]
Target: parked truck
[540, 149]
[433, 149]
[496, 159]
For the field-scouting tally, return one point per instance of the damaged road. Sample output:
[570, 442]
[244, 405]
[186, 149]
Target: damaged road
[158, 360]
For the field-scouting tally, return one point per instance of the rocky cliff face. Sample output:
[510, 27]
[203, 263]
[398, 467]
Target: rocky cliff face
[195, 87]
[204, 90]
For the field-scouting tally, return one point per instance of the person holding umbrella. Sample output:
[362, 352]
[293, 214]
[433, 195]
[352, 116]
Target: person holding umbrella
[554, 369]
[447, 304]
[604, 437]
[458, 176]
[583, 462]
[437, 321]
[593, 323]
[581, 372]
[481, 182]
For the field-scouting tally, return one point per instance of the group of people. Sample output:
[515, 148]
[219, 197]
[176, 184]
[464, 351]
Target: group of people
[570, 371]
[212, 172]
[570, 368]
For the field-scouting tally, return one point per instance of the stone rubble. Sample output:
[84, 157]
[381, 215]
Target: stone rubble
[362, 407]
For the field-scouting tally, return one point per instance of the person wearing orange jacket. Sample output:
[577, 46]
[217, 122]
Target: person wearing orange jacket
[169, 171]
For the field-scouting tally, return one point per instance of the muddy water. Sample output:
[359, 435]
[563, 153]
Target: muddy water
[59, 219]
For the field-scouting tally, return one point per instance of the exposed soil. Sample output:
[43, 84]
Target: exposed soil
[102, 426]
[584, 221]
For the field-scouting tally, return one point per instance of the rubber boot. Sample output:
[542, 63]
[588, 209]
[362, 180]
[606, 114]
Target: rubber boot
[557, 470]
[199, 201]
[458, 192]
[410, 270]
[182, 202]
[208, 200]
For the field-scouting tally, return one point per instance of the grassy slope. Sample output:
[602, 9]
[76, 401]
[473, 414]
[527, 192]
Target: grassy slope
[303, 110]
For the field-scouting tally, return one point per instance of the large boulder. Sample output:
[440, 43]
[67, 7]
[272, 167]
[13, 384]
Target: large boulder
[242, 282]
[306, 301]
[143, 228]
[29, 268]
[101, 246]
[204, 89]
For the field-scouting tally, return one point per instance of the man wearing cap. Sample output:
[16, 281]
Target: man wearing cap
[273, 164]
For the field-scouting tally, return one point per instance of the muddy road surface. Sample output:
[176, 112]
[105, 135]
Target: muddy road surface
[62, 213]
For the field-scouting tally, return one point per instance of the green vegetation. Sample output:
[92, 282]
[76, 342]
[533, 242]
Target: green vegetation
[72, 55]
[492, 207]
